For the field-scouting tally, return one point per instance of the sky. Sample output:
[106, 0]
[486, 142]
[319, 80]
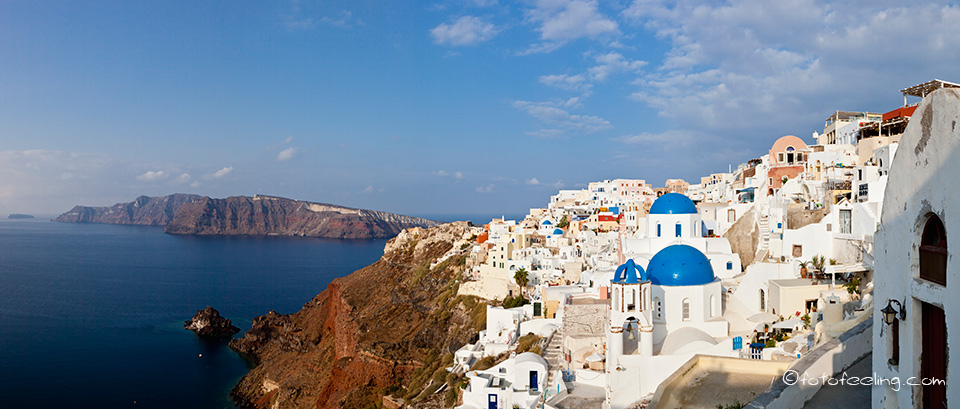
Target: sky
[431, 107]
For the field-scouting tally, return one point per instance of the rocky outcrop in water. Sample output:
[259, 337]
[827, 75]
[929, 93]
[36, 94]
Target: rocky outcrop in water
[387, 329]
[269, 215]
[208, 323]
[148, 211]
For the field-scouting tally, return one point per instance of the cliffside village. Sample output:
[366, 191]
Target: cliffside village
[813, 258]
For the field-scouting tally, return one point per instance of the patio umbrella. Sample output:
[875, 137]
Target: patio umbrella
[762, 317]
[595, 358]
[788, 324]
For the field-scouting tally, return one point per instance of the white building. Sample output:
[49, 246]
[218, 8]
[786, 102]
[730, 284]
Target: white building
[517, 382]
[916, 277]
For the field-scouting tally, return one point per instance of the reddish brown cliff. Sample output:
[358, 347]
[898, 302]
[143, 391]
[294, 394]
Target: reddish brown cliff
[388, 328]
[269, 215]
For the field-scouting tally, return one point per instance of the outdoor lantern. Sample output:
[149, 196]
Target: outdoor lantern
[890, 314]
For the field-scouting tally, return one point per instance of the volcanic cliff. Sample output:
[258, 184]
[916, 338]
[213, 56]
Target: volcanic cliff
[243, 215]
[387, 329]
[149, 211]
[268, 215]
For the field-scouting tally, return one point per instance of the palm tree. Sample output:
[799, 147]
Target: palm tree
[521, 278]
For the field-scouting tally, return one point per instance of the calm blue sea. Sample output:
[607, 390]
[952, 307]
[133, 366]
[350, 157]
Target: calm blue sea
[91, 316]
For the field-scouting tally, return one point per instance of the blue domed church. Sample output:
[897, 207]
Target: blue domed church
[666, 300]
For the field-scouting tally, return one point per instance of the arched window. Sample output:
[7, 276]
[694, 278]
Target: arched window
[632, 301]
[658, 229]
[686, 309]
[616, 298]
[713, 305]
[933, 251]
[763, 302]
[679, 228]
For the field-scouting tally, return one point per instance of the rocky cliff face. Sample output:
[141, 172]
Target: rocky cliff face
[149, 211]
[267, 215]
[389, 328]
[243, 215]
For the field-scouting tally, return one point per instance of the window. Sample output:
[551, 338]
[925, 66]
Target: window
[678, 229]
[780, 157]
[763, 301]
[658, 229]
[845, 221]
[686, 309]
[632, 301]
[731, 216]
[933, 251]
[729, 265]
[658, 314]
[797, 250]
[713, 305]
[616, 298]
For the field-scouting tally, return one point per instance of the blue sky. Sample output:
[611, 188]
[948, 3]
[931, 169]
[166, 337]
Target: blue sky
[460, 106]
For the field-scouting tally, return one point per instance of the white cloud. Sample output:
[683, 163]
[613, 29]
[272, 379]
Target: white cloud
[556, 114]
[43, 181]
[467, 30]
[559, 184]
[441, 173]
[546, 133]
[183, 178]
[286, 154]
[613, 63]
[605, 65]
[566, 82]
[458, 175]
[733, 61]
[196, 183]
[222, 172]
[561, 21]
[485, 189]
[151, 176]
[533, 181]
[368, 189]
[343, 20]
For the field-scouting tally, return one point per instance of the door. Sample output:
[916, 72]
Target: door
[492, 399]
[534, 385]
[933, 359]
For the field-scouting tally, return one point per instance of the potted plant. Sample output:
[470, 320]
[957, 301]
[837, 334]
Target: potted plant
[803, 268]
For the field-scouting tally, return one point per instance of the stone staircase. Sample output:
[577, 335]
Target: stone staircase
[763, 248]
[554, 356]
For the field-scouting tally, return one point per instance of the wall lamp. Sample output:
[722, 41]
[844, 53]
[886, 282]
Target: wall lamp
[891, 314]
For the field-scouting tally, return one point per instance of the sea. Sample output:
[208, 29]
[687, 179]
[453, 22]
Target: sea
[91, 315]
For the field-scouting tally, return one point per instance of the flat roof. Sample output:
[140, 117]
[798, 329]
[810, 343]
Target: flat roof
[926, 88]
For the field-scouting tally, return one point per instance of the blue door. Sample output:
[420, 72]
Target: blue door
[534, 385]
[492, 399]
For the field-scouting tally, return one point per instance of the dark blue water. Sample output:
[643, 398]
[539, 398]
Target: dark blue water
[91, 316]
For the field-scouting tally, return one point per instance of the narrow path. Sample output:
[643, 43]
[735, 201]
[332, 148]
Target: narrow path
[846, 396]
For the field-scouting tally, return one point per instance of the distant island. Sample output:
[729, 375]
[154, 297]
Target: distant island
[20, 216]
[245, 215]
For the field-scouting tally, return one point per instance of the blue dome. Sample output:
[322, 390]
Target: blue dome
[557, 231]
[629, 273]
[546, 223]
[678, 265]
[673, 203]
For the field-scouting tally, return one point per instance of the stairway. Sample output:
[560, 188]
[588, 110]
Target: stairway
[554, 356]
[763, 247]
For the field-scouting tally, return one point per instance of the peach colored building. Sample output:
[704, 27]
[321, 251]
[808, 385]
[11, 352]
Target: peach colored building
[787, 158]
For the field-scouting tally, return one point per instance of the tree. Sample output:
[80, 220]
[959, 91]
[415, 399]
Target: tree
[563, 222]
[521, 277]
